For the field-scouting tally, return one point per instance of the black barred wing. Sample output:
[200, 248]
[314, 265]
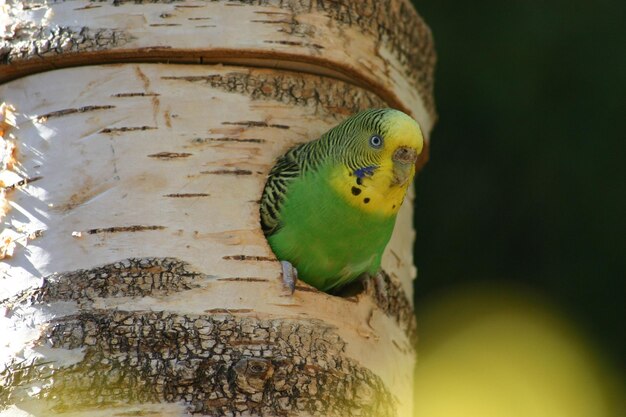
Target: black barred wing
[288, 168]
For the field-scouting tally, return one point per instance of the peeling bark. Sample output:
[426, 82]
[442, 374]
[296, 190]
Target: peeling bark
[65, 112]
[127, 129]
[288, 31]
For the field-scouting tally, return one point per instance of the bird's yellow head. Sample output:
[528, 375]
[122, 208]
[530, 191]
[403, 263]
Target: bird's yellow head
[376, 151]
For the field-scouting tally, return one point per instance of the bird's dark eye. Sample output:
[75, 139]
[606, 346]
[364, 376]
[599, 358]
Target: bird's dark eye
[376, 141]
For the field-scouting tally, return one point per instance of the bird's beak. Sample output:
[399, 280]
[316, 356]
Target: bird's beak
[404, 159]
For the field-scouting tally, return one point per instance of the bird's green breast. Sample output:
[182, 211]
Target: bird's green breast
[328, 240]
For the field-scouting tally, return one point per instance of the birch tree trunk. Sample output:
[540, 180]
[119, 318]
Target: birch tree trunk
[136, 139]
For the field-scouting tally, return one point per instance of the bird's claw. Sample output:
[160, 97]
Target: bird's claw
[290, 276]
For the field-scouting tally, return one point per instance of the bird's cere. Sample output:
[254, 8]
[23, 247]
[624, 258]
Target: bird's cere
[405, 155]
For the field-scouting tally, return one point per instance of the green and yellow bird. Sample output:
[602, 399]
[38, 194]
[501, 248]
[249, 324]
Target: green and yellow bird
[329, 206]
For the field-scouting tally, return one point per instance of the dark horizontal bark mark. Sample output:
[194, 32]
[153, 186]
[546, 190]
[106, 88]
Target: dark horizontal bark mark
[21, 183]
[185, 77]
[186, 195]
[296, 43]
[249, 258]
[228, 172]
[120, 229]
[214, 363]
[271, 21]
[244, 279]
[127, 129]
[170, 155]
[65, 112]
[229, 139]
[136, 95]
[252, 123]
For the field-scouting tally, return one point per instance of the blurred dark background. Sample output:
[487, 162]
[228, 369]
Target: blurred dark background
[526, 179]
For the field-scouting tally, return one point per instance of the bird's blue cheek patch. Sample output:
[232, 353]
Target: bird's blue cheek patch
[365, 171]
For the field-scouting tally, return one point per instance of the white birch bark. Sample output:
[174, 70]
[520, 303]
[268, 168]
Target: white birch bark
[136, 279]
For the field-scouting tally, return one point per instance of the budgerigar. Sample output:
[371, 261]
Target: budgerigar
[329, 206]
